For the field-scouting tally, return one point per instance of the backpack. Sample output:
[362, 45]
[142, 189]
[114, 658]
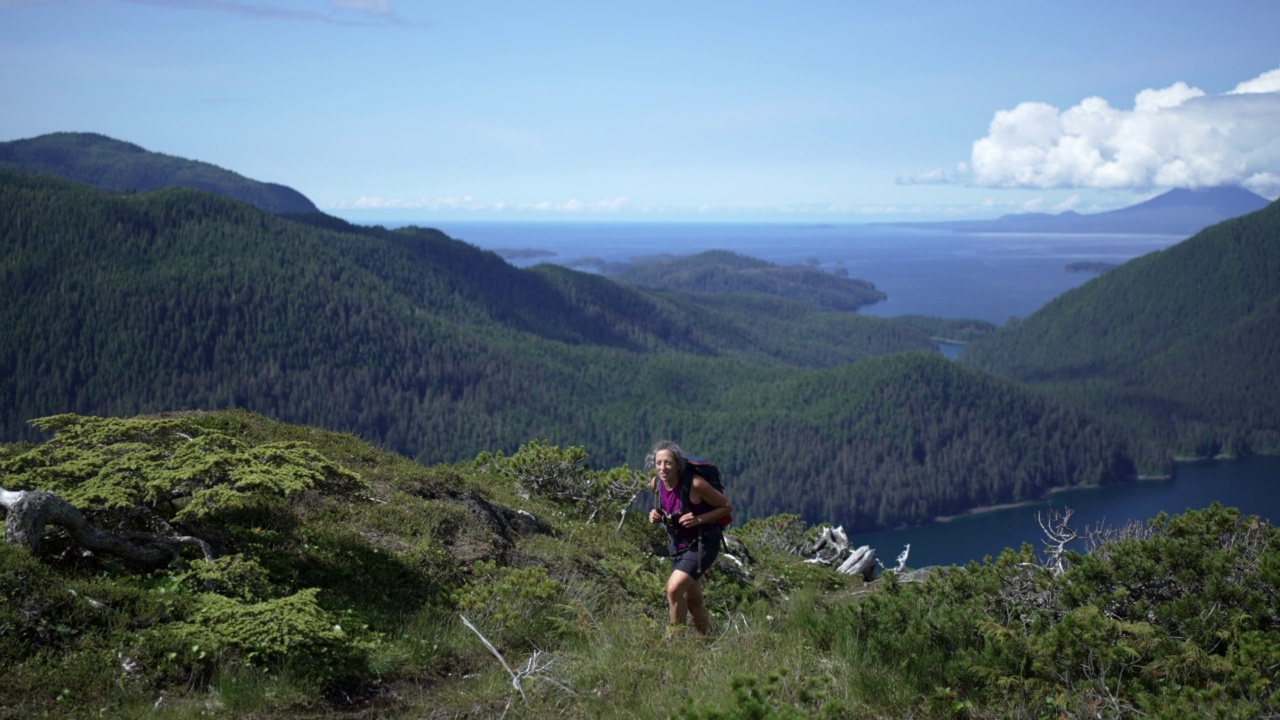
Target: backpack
[708, 471]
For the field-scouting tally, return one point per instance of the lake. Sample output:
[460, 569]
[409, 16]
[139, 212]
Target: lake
[930, 272]
[1251, 484]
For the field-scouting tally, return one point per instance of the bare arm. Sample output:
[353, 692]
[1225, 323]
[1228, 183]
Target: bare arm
[703, 492]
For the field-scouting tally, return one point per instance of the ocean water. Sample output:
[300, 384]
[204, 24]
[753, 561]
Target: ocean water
[988, 276]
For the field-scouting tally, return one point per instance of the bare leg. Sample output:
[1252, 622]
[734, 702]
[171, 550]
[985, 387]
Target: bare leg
[678, 590]
[697, 609]
[684, 597]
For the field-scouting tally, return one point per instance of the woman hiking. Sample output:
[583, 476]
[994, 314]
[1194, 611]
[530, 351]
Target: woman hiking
[693, 533]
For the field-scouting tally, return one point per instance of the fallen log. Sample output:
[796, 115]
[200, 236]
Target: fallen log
[832, 547]
[28, 513]
[861, 561]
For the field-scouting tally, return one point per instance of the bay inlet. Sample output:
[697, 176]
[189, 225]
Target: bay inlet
[1250, 484]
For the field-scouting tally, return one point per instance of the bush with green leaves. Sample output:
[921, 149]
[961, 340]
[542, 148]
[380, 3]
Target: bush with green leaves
[159, 477]
[233, 576]
[69, 639]
[563, 475]
[1184, 622]
[293, 629]
[516, 608]
[165, 470]
[776, 533]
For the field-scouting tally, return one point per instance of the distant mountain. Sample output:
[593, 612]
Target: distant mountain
[1177, 212]
[1183, 342]
[118, 166]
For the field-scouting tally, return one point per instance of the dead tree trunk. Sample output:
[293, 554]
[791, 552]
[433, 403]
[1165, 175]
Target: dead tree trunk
[833, 548]
[28, 513]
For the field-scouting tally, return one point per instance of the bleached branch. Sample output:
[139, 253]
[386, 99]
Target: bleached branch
[627, 507]
[515, 679]
[1059, 534]
[537, 665]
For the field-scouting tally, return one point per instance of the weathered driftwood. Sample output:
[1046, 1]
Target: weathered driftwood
[832, 547]
[29, 512]
[861, 561]
[902, 558]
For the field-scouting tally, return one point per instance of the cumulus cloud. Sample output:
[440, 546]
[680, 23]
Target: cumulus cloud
[1267, 82]
[1178, 136]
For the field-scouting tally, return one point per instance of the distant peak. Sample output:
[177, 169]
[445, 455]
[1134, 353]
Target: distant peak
[119, 166]
[1229, 197]
[87, 139]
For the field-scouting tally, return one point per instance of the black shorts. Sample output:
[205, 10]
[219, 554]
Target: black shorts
[695, 556]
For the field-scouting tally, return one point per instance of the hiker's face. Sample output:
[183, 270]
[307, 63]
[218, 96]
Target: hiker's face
[665, 463]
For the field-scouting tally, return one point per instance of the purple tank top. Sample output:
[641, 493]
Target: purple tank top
[669, 502]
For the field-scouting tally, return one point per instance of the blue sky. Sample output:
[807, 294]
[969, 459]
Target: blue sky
[759, 111]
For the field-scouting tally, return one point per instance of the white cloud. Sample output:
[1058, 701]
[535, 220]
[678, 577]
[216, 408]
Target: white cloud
[936, 176]
[576, 206]
[1267, 82]
[1177, 136]
[1170, 97]
[1067, 204]
[467, 202]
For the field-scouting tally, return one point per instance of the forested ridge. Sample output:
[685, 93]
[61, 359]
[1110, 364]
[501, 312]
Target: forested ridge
[177, 299]
[922, 433]
[119, 166]
[1182, 343]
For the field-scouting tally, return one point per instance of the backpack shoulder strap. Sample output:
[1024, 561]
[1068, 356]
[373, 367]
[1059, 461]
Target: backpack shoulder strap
[686, 485]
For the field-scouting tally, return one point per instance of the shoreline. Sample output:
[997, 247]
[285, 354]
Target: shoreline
[1047, 495]
[1178, 461]
[996, 508]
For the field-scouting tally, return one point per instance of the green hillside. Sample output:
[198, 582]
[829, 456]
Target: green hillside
[126, 304]
[298, 573]
[917, 432]
[109, 164]
[1182, 343]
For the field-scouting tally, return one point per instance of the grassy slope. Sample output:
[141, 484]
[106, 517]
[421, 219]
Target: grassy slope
[398, 562]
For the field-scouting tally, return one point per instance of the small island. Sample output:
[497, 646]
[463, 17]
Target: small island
[1091, 267]
[523, 253]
